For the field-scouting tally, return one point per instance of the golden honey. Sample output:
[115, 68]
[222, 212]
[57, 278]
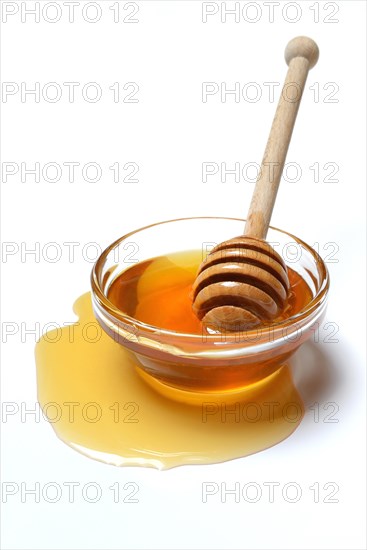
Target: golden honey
[110, 413]
[159, 292]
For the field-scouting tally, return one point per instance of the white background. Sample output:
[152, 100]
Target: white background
[169, 133]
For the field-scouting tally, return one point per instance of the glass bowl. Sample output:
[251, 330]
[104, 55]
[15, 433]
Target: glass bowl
[208, 363]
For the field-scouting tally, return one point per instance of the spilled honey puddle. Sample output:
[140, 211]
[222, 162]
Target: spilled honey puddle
[98, 404]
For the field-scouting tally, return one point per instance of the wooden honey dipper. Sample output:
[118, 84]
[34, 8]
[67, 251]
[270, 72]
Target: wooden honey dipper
[243, 282]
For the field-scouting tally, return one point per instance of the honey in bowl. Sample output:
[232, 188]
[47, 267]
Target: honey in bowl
[163, 398]
[159, 292]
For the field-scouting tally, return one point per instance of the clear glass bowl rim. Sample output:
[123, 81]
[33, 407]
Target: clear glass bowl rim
[152, 331]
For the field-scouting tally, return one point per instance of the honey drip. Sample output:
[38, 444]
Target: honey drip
[108, 412]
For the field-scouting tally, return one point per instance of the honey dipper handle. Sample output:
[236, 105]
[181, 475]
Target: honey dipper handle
[301, 54]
